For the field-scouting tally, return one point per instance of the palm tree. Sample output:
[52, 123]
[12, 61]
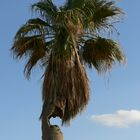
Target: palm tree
[63, 40]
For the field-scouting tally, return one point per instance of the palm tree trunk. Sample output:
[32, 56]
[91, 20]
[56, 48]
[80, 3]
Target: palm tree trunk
[49, 132]
[45, 129]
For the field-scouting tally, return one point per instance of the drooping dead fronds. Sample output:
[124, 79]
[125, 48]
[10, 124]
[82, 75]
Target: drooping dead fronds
[33, 47]
[65, 86]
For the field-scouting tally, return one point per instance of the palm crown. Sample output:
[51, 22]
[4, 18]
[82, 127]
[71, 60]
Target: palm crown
[63, 40]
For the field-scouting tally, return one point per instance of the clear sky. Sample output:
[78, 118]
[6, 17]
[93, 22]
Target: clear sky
[113, 112]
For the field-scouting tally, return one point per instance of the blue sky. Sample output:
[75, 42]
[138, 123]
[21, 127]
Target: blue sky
[114, 109]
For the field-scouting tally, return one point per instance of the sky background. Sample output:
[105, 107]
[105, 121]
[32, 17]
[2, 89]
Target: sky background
[113, 112]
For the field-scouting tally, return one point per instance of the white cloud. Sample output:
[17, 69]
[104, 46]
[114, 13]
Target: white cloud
[121, 118]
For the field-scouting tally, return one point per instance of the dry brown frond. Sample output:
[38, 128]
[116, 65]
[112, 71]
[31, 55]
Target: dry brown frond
[65, 86]
[32, 47]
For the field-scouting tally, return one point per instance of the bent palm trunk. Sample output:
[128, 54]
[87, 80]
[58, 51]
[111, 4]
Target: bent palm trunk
[51, 132]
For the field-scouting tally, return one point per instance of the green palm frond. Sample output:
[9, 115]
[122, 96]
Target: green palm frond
[69, 22]
[38, 21]
[33, 27]
[102, 53]
[103, 14]
[100, 13]
[72, 4]
[92, 15]
[46, 9]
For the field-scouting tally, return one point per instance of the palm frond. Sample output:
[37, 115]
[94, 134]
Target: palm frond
[90, 15]
[73, 4]
[34, 48]
[100, 13]
[33, 40]
[36, 56]
[102, 53]
[70, 20]
[46, 9]
[33, 27]
[26, 45]
[38, 21]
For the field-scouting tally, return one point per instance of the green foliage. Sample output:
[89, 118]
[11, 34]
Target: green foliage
[102, 53]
